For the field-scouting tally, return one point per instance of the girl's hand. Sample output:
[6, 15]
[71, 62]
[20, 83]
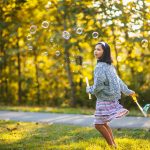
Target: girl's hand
[88, 89]
[133, 94]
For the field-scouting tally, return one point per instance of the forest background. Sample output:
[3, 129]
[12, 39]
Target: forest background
[46, 49]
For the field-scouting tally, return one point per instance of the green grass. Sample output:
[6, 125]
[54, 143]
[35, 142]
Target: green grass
[68, 110]
[38, 136]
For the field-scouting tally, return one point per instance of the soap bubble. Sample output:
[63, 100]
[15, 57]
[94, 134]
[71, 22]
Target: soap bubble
[51, 40]
[33, 29]
[75, 28]
[85, 64]
[95, 35]
[45, 53]
[30, 47]
[79, 30]
[29, 37]
[45, 24]
[57, 53]
[144, 43]
[123, 67]
[66, 35]
[73, 61]
[119, 58]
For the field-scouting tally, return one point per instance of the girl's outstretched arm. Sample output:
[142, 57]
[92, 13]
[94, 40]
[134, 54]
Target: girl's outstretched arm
[124, 88]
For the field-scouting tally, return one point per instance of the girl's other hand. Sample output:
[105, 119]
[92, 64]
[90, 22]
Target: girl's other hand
[133, 94]
[87, 89]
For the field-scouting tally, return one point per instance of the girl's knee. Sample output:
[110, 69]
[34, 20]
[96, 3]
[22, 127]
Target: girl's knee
[99, 126]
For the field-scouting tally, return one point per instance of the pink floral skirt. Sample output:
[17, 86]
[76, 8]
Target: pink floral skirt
[108, 110]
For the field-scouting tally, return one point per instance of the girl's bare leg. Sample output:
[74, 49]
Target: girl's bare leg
[110, 132]
[103, 130]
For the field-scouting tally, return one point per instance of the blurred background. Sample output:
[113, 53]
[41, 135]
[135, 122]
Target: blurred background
[46, 49]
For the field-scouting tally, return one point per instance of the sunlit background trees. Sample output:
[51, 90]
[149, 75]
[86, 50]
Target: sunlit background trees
[46, 49]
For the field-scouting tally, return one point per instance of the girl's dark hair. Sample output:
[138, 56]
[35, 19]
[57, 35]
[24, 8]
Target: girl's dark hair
[106, 57]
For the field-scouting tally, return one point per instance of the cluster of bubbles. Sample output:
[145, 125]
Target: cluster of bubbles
[45, 25]
[57, 53]
[66, 35]
[33, 29]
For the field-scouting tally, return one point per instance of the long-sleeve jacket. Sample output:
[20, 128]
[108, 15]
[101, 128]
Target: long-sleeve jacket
[107, 84]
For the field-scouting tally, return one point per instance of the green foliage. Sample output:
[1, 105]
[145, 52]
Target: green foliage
[30, 71]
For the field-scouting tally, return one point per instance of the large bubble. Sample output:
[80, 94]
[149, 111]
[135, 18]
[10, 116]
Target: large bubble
[144, 43]
[66, 35]
[45, 24]
[79, 30]
[95, 35]
[57, 53]
[29, 37]
[33, 29]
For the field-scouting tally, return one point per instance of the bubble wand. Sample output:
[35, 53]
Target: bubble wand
[87, 83]
[135, 100]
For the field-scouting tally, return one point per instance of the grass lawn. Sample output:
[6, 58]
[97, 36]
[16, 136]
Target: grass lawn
[38, 136]
[69, 110]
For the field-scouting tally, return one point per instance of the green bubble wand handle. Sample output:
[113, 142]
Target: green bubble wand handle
[135, 100]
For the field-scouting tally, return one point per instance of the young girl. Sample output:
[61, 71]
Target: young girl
[107, 88]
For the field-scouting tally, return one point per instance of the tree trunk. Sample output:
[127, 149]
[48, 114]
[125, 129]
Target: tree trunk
[70, 77]
[37, 77]
[115, 48]
[68, 69]
[3, 83]
[19, 76]
[80, 62]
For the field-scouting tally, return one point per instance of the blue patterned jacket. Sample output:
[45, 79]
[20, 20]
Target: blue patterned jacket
[107, 84]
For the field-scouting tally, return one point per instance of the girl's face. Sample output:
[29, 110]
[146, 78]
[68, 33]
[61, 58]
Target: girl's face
[98, 52]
